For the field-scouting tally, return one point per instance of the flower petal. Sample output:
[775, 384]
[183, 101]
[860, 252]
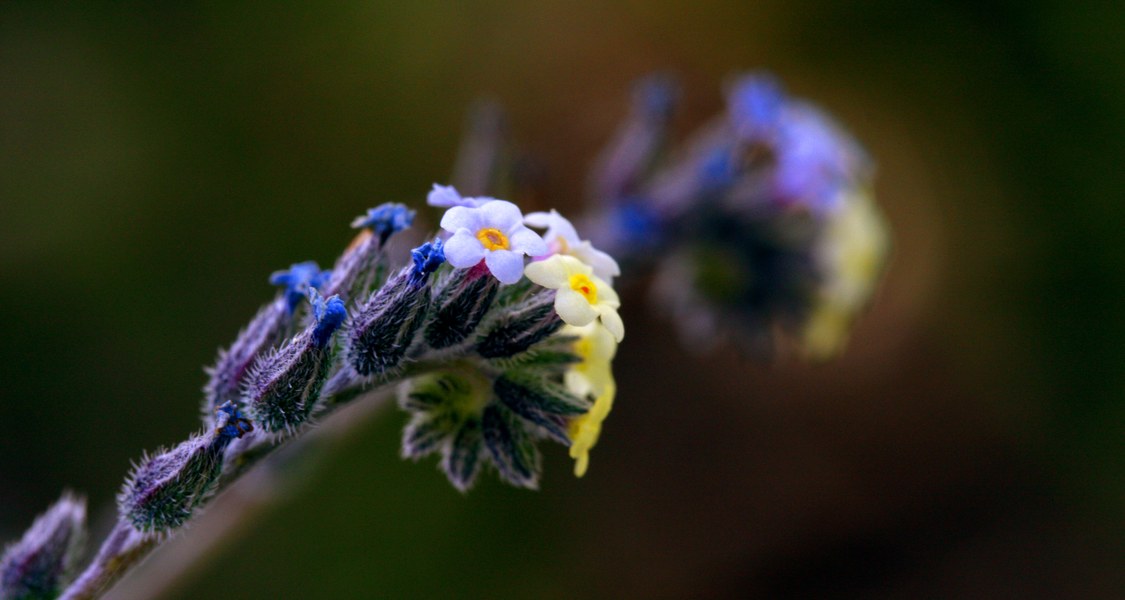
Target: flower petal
[538, 220]
[501, 214]
[461, 217]
[561, 227]
[604, 265]
[548, 273]
[507, 266]
[527, 241]
[612, 322]
[445, 196]
[573, 307]
[463, 250]
[606, 294]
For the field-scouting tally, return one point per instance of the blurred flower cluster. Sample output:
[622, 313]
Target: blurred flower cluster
[760, 229]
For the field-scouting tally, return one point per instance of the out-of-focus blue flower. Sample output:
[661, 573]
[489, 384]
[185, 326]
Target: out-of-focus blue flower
[298, 280]
[385, 220]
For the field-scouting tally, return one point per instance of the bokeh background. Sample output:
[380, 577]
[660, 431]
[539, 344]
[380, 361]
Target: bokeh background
[158, 161]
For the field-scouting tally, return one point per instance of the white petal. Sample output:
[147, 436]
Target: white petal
[538, 220]
[444, 195]
[463, 250]
[603, 264]
[573, 307]
[501, 214]
[612, 322]
[527, 241]
[548, 273]
[461, 217]
[507, 266]
[561, 227]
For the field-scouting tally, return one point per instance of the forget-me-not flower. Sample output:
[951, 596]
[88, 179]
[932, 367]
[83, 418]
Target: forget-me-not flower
[493, 232]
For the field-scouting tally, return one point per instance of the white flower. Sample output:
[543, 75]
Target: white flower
[494, 232]
[447, 196]
[582, 296]
[562, 238]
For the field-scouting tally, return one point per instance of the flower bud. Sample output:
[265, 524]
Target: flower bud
[461, 303]
[518, 328]
[229, 374]
[359, 266]
[384, 327]
[165, 489]
[38, 565]
[284, 386]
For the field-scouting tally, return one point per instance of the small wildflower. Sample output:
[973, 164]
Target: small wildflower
[493, 232]
[562, 238]
[298, 280]
[446, 196]
[582, 296]
[385, 220]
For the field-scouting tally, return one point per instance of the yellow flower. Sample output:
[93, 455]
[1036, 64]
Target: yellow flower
[853, 254]
[593, 376]
[582, 296]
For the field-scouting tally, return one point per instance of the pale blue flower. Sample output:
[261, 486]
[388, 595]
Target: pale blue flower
[493, 232]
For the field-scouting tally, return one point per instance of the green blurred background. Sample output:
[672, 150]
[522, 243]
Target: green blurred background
[157, 162]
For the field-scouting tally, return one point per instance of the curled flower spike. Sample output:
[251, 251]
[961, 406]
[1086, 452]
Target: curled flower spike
[582, 296]
[562, 238]
[493, 232]
[385, 220]
[298, 280]
[447, 196]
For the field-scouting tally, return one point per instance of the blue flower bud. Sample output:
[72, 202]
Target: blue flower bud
[329, 314]
[383, 329]
[427, 258]
[284, 386]
[228, 376]
[462, 301]
[231, 423]
[39, 564]
[298, 280]
[518, 328]
[754, 103]
[385, 220]
[164, 490]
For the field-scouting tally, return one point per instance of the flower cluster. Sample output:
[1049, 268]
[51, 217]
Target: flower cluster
[512, 319]
[761, 227]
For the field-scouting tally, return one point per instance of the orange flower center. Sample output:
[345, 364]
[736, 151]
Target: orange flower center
[582, 284]
[492, 239]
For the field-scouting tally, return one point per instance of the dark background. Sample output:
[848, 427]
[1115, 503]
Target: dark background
[157, 163]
